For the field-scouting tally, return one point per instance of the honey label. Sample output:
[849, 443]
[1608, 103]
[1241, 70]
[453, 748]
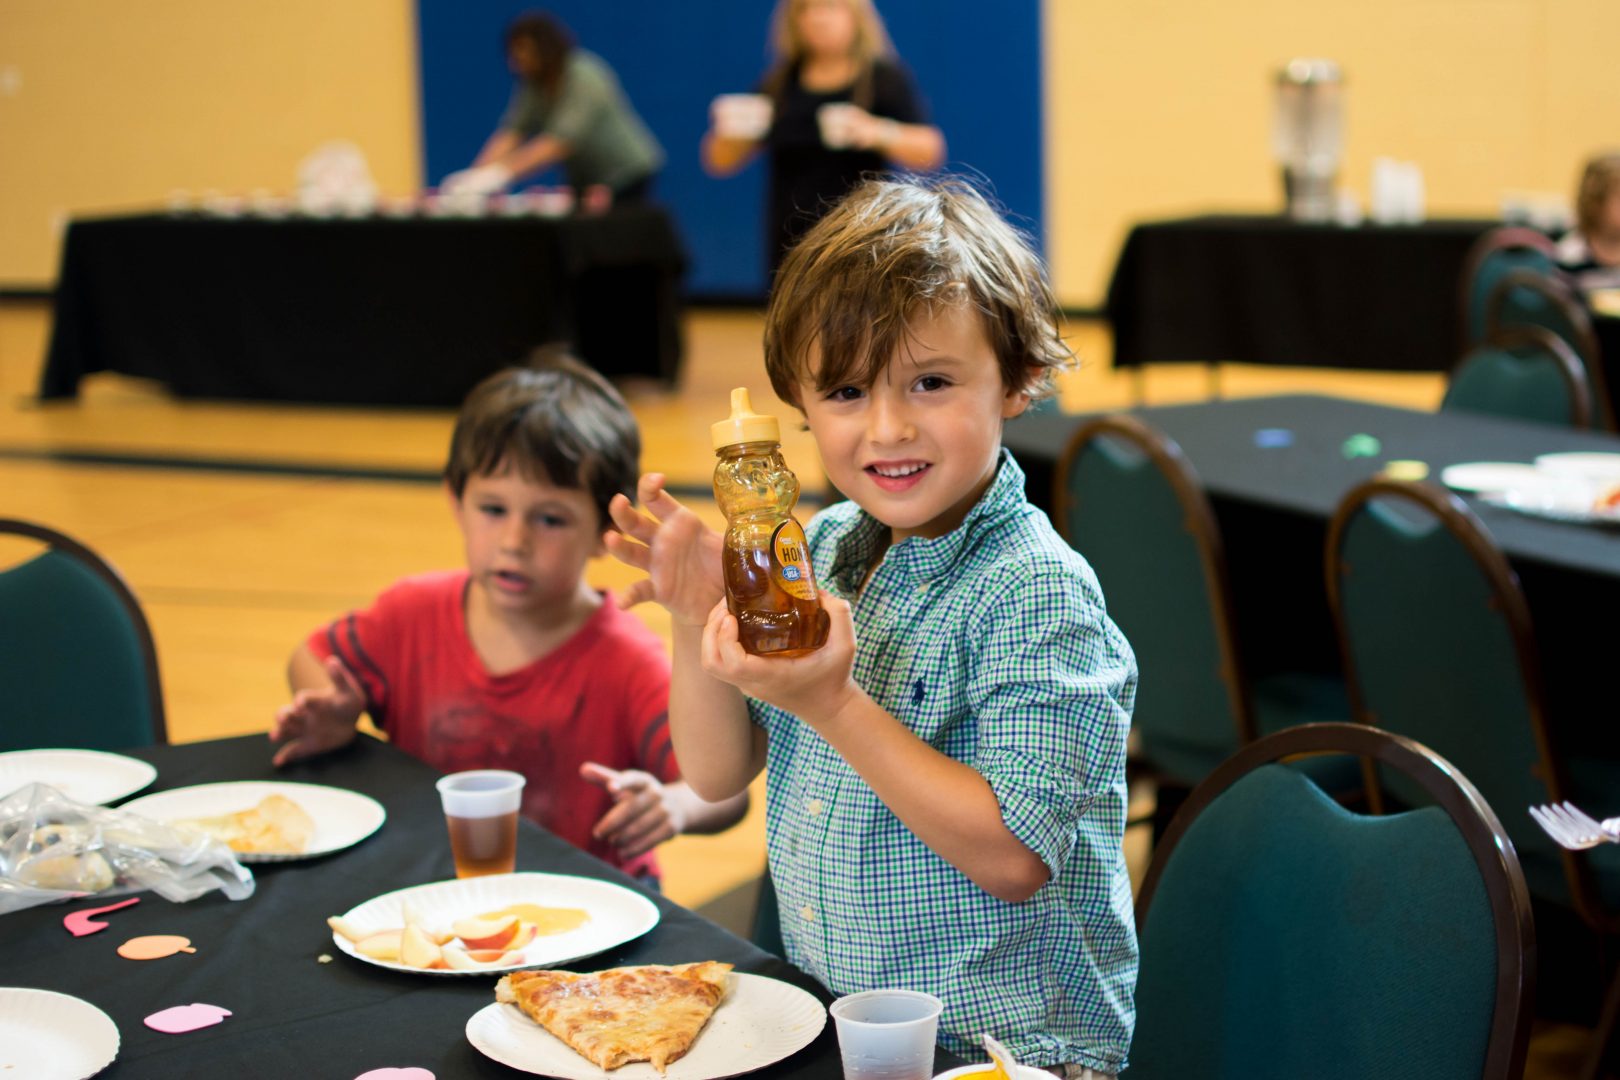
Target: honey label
[791, 561]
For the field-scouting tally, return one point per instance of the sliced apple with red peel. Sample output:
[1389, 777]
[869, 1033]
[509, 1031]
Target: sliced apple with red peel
[527, 933]
[489, 956]
[478, 933]
[416, 949]
[383, 945]
[437, 935]
[458, 959]
[346, 929]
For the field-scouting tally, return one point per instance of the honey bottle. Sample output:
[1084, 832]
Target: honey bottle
[770, 587]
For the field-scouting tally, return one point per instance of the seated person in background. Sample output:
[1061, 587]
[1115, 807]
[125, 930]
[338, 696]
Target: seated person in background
[1591, 253]
[567, 109]
[515, 662]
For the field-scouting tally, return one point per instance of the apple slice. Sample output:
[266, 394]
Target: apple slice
[526, 934]
[437, 935]
[458, 959]
[416, 949]
[383, 945]
[478, 933]
[347, 929]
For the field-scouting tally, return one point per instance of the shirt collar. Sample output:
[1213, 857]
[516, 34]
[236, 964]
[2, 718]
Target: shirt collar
[925, 558]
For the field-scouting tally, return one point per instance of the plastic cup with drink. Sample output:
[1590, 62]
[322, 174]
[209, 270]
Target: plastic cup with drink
[741, 116]
[837, 122]
[887, 1034]
[481, 811]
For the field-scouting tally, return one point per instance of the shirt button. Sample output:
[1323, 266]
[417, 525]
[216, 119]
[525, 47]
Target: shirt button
[808, 912]
[922, 586]
[814, 806]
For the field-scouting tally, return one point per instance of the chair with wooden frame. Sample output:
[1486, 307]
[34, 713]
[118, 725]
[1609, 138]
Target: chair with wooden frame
[81, 667]
[1498, 252]
[1526, 298]
[1458, 670]
[1524, 372]
[1128, 500]
[1285, 936]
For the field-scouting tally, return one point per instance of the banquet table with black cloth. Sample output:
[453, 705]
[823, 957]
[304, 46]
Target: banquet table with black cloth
[261, 958]
[1268, 290]
[371, 311]
[1273, 504]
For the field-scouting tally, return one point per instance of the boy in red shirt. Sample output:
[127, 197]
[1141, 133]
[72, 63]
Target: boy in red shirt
[515, 662]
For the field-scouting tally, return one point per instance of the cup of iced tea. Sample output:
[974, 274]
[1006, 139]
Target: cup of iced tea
[481, 810]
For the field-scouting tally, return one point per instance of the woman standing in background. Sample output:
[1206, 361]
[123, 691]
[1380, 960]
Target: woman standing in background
[568, 108]
[842, 105]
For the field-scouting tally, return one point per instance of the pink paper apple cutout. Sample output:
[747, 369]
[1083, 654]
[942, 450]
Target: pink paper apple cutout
[412, 1073]
[80, 923]
[179, 1019]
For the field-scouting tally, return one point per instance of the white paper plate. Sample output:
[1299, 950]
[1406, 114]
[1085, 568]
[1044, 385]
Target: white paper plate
[1492, 476]
[342, 817]
[1555, 505]
[761, 1021]
[617, 915]
[1595, 468]
[49, 1036]
[86, 776]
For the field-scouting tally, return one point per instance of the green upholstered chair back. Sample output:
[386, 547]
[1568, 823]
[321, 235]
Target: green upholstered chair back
[80, 669]
[1129, 502]
[1438, 646]
[1524, 372]
[1285, 936]
[1524, 298]
[1499, 252]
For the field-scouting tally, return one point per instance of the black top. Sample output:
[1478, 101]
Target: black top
[807, 178]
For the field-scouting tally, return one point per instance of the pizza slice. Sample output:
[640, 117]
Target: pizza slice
[649, 1013]
[277, 826]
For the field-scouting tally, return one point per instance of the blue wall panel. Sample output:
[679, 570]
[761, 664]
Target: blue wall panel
[982, 81]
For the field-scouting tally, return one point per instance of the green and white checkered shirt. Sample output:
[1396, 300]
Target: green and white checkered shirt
[991, 643]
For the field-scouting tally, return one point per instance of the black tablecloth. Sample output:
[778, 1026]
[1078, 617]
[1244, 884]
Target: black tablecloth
[368, 311]
[1267, 290]
[293, 1015]
[1273, 508]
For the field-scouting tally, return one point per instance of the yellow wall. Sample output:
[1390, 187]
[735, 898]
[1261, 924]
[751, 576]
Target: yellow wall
[1157, 108]
[1154, 107]
[118, 104]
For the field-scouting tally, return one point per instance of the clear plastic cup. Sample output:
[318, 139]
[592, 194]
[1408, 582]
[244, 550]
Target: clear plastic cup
[481, 812]
[887, 1034]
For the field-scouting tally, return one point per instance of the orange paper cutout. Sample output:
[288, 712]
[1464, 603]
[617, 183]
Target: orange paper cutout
[154, 947]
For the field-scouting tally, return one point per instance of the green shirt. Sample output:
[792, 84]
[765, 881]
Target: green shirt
[608, 142]
[991, 643]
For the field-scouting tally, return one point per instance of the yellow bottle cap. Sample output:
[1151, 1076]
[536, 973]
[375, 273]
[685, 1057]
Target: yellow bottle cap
[744, 425]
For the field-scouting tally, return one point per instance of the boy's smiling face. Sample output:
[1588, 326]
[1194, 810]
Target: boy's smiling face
[527, 541]
[918, 447]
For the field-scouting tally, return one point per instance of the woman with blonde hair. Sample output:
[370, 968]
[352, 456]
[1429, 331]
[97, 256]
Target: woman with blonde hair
[837, 105]
[1590, 254]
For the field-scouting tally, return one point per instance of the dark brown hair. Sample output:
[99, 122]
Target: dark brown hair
[552, 41]
[892, 249]
[555, 420]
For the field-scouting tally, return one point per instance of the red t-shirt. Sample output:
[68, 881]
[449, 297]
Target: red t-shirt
[603, 696]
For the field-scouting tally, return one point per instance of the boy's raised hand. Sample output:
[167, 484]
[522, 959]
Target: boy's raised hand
[319, 720]
[643, 814]
[814, 687]
[680, 554]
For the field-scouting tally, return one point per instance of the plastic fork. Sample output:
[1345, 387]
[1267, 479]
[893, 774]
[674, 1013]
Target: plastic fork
[1574, 829]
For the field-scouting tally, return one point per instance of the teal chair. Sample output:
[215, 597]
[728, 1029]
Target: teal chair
[80, 669]
[1526, 298]
[1128, 500]
[1438, 646]
[1499, 252]
[1284, 936]
[1523, 372]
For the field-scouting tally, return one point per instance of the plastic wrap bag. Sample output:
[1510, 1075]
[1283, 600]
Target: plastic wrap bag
[52, 848]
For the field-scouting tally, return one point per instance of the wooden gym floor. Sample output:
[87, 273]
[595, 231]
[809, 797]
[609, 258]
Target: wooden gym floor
[242, 527]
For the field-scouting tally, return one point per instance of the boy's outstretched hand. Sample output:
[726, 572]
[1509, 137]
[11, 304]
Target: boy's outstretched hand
[644, 814]
[320, 720]
[815, 687]
[680, 554]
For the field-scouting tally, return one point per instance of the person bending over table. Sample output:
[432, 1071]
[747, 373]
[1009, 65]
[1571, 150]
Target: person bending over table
[828, 53]
[568, 109]
[515, 662]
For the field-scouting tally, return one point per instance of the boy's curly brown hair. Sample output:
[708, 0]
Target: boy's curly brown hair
[555, 420]
[1598, 178]
[892, 249]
